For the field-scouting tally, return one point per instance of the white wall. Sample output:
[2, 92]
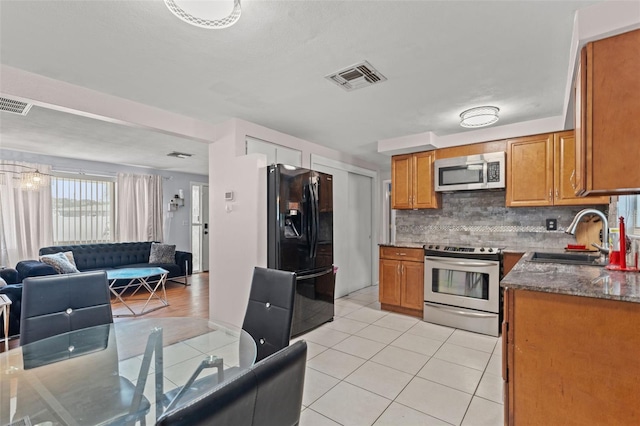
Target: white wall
[178, 233]
[239, 236]
[61, 96]
[246, 128]
[238, 227]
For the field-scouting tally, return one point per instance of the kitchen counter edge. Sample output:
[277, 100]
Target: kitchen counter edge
[574, 280]
[402, 245]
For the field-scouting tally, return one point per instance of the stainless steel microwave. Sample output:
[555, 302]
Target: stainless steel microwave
[482, 171]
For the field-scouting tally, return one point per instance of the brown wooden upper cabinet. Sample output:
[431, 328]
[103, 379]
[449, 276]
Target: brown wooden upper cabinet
[412, 181]
[607, 111]
[541, 172]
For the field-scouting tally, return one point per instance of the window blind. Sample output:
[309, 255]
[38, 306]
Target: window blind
[83, 209]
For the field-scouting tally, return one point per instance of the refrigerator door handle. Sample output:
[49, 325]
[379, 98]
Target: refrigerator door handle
[317, 215]
[309, 220]
[314, 218]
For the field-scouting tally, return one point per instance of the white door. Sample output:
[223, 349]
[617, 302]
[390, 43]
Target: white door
[206, 228]
[352, 219]
[200, 226]
[359, 228]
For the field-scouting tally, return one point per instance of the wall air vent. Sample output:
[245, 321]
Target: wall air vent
[179, 154]
[356, 76]
[13, 106]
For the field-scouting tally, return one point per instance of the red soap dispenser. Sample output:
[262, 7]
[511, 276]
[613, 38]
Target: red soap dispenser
[620, 263]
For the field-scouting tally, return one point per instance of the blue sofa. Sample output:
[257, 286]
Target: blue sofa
[93, 257]
[88, 257]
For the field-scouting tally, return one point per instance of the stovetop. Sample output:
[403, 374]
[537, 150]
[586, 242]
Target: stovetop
[441, 250]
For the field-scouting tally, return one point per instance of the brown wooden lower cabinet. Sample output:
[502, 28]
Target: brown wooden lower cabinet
[402, 280]
[570, 360]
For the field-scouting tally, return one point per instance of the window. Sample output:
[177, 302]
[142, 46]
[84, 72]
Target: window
[629, 208]
[83, 209]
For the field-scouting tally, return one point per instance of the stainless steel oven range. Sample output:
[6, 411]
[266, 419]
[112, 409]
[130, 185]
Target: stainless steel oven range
[462, 287]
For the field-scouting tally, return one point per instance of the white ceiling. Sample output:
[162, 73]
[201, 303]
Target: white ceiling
[440, 58]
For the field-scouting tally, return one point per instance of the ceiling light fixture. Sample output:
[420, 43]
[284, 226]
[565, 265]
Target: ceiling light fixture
[479, 116]
[210, 14]
[33, 181]
[30, 180]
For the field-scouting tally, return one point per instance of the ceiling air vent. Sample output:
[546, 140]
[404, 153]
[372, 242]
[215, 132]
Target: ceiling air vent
[179, 154]
[13, 106]
[356, 76]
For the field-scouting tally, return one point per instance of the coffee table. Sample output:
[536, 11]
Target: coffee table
[138, 281]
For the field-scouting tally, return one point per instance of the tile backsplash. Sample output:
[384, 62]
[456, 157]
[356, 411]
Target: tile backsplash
[480, 218]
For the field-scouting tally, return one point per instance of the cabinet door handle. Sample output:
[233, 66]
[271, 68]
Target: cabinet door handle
[398, 272]
[572, 179]
[402, 254]
[402, 269]
[557, 194]
[550, 194]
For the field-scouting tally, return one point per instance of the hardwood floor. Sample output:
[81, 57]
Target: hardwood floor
[189, 301]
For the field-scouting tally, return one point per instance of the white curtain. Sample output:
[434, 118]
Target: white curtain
[139, 207]
[26, 217]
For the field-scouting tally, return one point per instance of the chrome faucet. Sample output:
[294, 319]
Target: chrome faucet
[571, 230]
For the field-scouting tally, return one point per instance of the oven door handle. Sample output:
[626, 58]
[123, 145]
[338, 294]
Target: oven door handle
[464, 263]
[459, 312]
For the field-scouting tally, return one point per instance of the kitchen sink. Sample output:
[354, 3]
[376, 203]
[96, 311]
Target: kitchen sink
[567, 258]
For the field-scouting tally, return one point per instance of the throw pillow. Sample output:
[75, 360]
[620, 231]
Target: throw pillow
[70, 258]
[162, 253]
[59, 262]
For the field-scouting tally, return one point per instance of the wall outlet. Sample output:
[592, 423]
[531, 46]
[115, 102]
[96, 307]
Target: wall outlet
[552, 224]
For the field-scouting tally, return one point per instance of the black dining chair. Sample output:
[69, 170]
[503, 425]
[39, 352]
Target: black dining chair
[56, 304]
[268, 394]
[267, 319]
[269, 312]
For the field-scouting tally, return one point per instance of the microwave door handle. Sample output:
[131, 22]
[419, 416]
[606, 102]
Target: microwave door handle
[485, 177]
[466, 263]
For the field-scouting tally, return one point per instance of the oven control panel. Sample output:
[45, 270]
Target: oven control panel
[462, 249]
[437, 250]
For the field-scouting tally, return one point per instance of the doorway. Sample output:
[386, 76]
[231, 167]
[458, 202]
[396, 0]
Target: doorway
[360, 208]
[352, 228]
[200, 226]
[388, 215]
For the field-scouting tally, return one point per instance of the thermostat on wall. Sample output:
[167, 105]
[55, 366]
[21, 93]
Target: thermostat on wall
[228, 196]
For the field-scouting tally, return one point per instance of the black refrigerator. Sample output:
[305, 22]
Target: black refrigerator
[300, 239]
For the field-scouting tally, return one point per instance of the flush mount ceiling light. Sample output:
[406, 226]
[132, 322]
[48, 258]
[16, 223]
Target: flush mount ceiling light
[210, 14]
[479, 117]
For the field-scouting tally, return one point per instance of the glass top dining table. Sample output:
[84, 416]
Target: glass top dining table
[123, 373]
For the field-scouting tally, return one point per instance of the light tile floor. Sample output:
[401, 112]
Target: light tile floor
[372, 367]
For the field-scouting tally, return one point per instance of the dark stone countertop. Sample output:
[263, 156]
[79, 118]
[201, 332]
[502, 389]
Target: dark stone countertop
[576, 280]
